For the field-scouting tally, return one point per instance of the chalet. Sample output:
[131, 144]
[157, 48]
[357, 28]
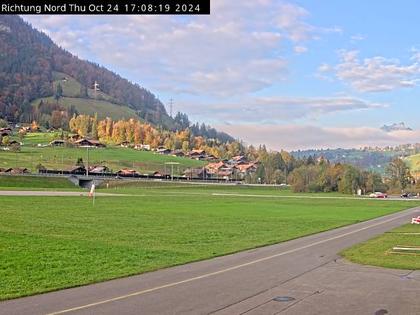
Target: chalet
[225, 174]
[158, 174]
[5, 170]
[77, 169]
[246, 168]
[143, 147]
[87, 143]
[19, 170]
[164, 151]
[238, 159]
[177, 153]
[125, 144]
[127, 172]
[57, 143]
[214, 168]
[197, 154]
[99, 169]
[192, 173]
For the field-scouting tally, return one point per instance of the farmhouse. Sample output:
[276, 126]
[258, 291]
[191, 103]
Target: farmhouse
[57, 143]
[84, 143]
[99, 169]
[77, 169]
[144, 147]
[163, 151]
[214, 168]
[127, 172]
[178, 153]
[246, 168]
[192, 173]
[125, 144]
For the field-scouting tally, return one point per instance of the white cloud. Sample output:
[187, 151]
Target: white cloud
[294, 137]
[357, 37]
[300, 49]
[271, 110]
[376, 74]
[237, 49]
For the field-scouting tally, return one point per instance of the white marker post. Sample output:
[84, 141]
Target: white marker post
[92, 193]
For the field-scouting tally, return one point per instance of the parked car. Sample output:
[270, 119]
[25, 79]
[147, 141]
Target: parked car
[405, 195]
[378, 194]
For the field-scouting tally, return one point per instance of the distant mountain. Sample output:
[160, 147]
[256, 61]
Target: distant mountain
[395, 127]
[29, 60]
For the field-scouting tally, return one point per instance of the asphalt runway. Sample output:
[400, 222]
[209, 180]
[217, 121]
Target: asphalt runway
[306, 270]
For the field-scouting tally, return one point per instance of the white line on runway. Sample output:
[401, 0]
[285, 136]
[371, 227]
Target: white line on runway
[224, 270]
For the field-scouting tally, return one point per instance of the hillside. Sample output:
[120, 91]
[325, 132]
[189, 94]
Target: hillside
[31, 64]
[94, 102]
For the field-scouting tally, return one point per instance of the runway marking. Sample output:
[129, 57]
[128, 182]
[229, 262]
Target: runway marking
[122, 297]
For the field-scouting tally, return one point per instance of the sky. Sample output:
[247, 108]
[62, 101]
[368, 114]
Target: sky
[289, 74]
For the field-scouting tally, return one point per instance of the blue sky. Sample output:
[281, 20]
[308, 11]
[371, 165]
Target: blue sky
[291, 74]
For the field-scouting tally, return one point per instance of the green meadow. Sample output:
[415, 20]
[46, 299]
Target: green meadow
[378, 251]
[50, 243]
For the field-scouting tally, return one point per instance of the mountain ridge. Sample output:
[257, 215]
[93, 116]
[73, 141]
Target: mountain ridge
[29, 59]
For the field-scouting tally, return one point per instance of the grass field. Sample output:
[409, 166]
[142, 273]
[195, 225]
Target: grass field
[91, 106]
[376, 251]
[114, 157]
[48, 243]
[8, 182]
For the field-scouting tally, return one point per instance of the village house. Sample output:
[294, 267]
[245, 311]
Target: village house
[197, 155]
[57, 143]
[98, 169]
[87, 143]
[192, 173]
[77, 170]
[127, 172]
[177, 153]
[246, 168]
[163, 151]
[125, 144]
[143, 147]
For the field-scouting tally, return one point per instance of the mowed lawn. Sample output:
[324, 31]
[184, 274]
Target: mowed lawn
[377, 251]
[48, 243]
[8, 182]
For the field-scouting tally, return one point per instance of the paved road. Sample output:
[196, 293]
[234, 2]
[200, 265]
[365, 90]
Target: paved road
[306, 269]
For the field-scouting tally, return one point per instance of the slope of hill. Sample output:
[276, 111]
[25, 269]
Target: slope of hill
[93, 102]
[30, 63]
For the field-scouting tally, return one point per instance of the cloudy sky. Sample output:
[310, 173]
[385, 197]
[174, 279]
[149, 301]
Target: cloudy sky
[290, 74]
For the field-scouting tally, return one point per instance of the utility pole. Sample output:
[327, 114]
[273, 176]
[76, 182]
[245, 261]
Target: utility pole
[171, 106]
[87, 164]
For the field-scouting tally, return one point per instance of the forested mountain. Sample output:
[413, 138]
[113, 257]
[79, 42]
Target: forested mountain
[28, 59]
[30, 63]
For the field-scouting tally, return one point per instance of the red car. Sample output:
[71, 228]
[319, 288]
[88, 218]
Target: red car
[378, 195]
